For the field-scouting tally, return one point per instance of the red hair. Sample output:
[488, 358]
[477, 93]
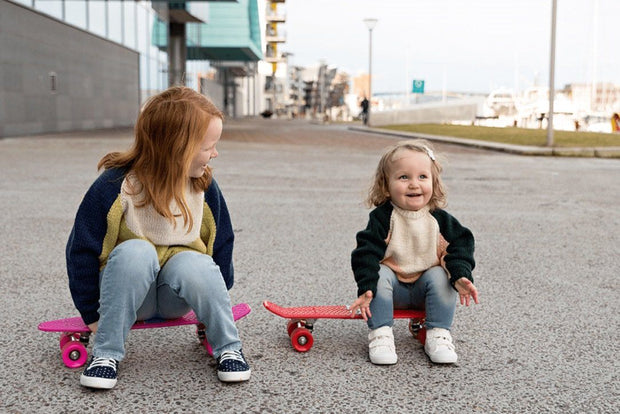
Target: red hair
[168, 131]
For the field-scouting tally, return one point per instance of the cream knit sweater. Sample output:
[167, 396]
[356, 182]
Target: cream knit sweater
[414, 243]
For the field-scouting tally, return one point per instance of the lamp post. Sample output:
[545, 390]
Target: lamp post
[370, 23]
[554, 8]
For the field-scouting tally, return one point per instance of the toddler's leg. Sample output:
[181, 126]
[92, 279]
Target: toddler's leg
[124, 283]
[382, 305]
[434, 292]
[381, 349]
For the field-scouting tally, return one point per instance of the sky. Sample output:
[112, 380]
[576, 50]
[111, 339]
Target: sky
[459, 45]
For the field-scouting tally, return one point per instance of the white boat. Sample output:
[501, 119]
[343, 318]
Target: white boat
[500, 102]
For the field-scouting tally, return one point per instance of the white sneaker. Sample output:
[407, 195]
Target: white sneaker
[438, 346]
[381, 346]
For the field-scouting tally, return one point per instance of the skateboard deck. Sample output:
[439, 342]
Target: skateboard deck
[75, 334]
[301, 321]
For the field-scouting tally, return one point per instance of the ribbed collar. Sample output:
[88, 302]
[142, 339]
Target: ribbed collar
[409, 214]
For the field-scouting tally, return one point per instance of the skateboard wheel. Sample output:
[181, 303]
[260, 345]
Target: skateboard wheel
[302, 339]
[67, 337]
[417, 329]
[292, 325]
[64, 338]
[207, 346]
[74, 354]
[421, 336]
[414, 326]
[201, 332]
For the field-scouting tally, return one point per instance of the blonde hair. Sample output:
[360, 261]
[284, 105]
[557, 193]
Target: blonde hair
[169, 130]
[379, 190]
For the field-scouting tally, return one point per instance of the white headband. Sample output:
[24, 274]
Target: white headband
[430, 153]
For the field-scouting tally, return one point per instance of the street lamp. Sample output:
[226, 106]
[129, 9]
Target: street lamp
[554, 8]
[370, 23]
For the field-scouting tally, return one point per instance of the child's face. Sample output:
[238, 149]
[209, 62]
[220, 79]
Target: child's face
[206, 150]
[410, 180]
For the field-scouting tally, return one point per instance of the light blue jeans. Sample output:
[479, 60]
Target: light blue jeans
[431, 292]
[133, 287]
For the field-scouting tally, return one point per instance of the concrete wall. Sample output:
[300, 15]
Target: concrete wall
[54, 77]
[464, 110]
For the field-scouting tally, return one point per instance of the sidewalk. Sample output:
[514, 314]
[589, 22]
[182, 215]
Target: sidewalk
[598, 152]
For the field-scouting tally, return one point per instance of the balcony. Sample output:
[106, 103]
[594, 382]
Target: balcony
[275, 39]
[275, 17]
[273, 57]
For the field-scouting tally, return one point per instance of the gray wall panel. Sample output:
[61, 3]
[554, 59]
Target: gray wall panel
[97, 81]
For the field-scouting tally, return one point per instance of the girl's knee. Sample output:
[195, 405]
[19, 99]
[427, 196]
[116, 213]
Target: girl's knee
[133, 259]
[131, 249]
[194, 270]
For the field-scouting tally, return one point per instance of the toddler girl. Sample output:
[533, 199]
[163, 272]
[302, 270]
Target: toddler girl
[412, 254]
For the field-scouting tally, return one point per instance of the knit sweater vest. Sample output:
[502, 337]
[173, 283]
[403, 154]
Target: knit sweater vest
[414, 243]
[146, 222]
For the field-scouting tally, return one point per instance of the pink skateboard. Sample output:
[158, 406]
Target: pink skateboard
[301, 321]
[75, 335]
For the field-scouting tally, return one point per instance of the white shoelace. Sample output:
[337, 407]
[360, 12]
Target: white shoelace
[103, 362]
[234, 355]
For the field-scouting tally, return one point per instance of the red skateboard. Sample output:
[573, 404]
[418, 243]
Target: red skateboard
[301, 321]
[75, 334]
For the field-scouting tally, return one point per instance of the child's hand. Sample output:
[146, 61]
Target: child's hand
[466, 290]
[363, 304]
[93, 327]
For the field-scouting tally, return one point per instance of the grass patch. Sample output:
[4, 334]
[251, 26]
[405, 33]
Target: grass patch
[516, 136]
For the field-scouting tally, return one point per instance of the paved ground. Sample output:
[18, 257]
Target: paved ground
[544, 339]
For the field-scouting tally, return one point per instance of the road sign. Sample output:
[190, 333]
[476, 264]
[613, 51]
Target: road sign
[418, 86]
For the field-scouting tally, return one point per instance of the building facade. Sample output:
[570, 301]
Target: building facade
[78, 64]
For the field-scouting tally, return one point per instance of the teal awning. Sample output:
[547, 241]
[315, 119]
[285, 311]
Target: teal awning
[232, 32]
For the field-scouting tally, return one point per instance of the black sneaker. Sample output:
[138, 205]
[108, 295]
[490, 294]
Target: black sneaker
[232, 367]
[100, 373]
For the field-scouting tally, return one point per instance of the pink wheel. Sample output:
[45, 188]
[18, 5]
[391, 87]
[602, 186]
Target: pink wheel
[302, 339]
[74, 354]
[64, 338]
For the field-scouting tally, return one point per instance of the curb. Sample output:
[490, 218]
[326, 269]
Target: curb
[590, 152]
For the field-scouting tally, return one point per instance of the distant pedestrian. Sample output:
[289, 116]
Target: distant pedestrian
[615, 122]
[365, 104]
[412, 254]
[153, 238]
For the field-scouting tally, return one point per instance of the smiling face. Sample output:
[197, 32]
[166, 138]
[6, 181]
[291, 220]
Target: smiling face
[410, 180]
[206, 150]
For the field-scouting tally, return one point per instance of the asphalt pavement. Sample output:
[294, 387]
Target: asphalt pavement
[543, 339]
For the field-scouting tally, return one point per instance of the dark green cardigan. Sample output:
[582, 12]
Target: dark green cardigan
[371, 247]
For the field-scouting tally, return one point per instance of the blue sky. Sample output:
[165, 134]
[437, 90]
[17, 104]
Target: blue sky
[468, 45]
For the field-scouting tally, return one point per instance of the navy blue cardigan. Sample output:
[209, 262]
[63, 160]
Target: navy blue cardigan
[85, 246]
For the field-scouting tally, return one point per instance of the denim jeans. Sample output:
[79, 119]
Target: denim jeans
[133, 287]
[431, 292]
